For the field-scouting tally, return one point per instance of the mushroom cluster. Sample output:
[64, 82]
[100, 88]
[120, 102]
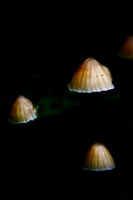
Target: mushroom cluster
[91, 76]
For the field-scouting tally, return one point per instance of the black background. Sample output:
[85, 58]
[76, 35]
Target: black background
[55, 37]
[51, 41]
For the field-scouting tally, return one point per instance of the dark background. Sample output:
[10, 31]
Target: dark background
[42, 46]
[53, 37]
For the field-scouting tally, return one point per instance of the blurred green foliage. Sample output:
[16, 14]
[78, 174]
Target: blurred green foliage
[53, 105]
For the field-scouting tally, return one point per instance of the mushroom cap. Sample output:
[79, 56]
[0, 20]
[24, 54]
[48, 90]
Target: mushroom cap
[98, 158]
[22, 111]
[126, 49]
[91, 76]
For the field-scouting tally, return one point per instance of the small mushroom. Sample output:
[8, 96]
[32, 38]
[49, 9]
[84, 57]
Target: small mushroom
[126, 49]
[98, 158]
[22, 111]
[91, 76]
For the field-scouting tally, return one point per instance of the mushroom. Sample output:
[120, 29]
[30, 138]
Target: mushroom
[22, 111]
[126, 49]
[98, 158]
[91, 76]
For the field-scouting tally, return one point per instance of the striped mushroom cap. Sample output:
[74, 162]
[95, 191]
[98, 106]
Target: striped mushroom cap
[91, 76]
[98, 158]
[22, 111]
